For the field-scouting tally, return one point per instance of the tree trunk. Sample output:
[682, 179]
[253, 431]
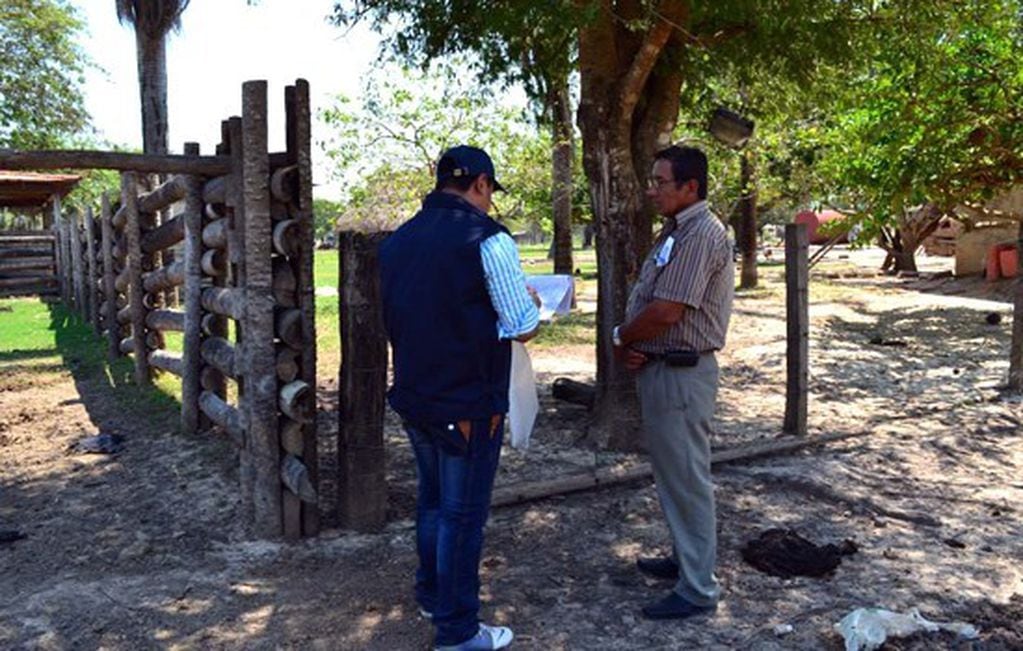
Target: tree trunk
[902, 243]
[589, 231]
[748, 223]
[1016, 346]
[626, 112]
[905, 259]
[561, 175]
[152, 71]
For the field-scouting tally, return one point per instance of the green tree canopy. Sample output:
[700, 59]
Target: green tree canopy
[386, 145]
[42, 74]
[937, 117]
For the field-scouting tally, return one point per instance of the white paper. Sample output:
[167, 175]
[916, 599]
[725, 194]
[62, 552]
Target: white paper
[664, 253]
[555, 291]
[523, 403]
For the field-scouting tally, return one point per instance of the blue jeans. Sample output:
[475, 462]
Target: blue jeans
[455, 482]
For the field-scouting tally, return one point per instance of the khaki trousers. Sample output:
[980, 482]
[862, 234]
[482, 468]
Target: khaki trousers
[677, 406]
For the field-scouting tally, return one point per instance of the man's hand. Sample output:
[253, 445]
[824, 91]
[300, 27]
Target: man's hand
[634, 360]
[534, 295]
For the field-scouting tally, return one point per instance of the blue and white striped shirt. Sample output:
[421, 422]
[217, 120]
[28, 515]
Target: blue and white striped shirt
[506, 284]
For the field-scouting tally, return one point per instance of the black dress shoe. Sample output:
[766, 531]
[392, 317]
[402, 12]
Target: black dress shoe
[662, 568]
[675, 607]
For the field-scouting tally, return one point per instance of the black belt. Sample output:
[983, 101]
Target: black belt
[678, 358]
[657, 357]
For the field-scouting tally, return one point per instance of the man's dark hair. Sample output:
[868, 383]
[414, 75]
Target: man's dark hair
[445, 181]
[687, 163]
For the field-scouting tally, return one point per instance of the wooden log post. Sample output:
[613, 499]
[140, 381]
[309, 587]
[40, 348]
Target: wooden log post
[66, 226]
[213, 262]
[69, 267]
[214, 325]
[362, 484]
[214, 235]
[113, 300]
[258, 365]
[56, 254]
[218, 353]
[298, 117]
[191, 363]
[92, 289]
[298, 401]
[77, 270]
[797, 315]
[1015, 383]
[223, 415]
[165, 361]
[287, 366]
[166, 320]
[58, 248]
[164, 236]
[164, 278]
[129, 200]
[110, 160]
[234, 224]
[225, 301]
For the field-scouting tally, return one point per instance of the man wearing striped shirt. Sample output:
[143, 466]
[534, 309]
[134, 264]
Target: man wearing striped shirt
[454, 296]
[676, 318]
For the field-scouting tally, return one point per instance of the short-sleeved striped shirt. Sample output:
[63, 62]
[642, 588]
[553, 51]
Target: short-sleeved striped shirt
[690, 263]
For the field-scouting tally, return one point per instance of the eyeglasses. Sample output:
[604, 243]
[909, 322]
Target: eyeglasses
[656, 184]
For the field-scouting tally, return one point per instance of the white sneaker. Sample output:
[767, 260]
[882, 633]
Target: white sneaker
[487, 638]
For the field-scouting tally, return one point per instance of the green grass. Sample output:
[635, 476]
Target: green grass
[24, 326]
[574, 329]
[40, 339]
[534, 261]
[325, 269]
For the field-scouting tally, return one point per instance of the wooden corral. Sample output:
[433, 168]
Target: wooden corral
[244, 217]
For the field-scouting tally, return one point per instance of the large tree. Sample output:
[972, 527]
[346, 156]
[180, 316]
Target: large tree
[935, 119]
[41, 77]
[632, 61]
[531, 44]
[152, 20]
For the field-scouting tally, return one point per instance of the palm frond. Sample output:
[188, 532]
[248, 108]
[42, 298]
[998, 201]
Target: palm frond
[154, 18]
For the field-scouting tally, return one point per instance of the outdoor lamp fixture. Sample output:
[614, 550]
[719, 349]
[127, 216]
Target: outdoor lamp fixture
[730, 128]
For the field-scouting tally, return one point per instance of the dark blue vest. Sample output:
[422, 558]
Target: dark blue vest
[449, 364]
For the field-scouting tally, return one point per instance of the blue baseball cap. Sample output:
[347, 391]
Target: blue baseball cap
[466, 161]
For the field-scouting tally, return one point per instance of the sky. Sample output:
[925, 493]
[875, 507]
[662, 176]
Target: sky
[221, 44]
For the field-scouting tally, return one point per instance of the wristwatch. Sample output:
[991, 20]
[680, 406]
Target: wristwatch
[616, 337]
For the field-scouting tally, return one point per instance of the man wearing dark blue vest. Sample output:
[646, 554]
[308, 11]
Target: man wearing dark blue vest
[454, 296]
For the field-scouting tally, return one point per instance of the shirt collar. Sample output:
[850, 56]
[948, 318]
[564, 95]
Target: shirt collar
[691, 211]
[449, 201]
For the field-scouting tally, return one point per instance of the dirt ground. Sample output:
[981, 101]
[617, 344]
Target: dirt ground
[144, 550]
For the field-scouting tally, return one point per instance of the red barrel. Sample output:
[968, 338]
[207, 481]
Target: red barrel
[814, 220]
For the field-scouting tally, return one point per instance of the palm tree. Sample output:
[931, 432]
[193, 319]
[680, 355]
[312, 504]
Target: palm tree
[152, 20]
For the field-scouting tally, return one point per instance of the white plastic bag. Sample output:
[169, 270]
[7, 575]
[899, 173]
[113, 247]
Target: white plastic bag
[523, 403]
[866, 629]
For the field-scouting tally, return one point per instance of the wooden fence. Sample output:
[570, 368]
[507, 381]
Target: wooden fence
[27, 263]
[244, 221]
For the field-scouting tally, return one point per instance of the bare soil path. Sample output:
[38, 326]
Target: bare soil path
[143, 550]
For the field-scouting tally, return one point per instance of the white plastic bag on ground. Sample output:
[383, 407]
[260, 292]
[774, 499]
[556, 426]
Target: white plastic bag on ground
[523, 403]
[866, 629]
